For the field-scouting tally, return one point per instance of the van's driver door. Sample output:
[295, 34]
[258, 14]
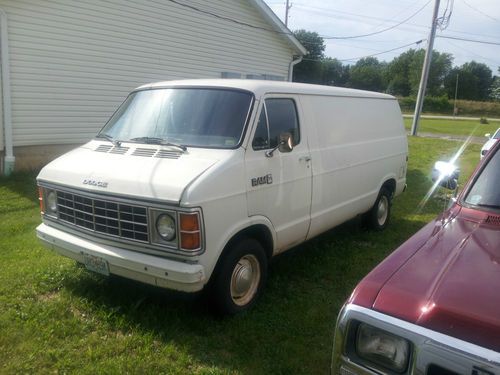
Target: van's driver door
[279, 186]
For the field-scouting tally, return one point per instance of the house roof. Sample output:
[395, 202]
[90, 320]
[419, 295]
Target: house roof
[279, 26]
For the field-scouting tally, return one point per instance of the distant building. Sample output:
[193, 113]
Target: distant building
[68, 64]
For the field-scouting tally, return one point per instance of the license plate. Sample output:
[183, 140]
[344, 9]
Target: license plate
[96, 264]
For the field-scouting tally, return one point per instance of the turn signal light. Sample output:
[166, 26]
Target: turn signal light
[190, 232]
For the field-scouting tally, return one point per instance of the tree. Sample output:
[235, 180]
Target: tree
[474, 81]
[333, 73]
[309, 70]
[367, 74]
[441, 65]
[495, 88]
[397, 74]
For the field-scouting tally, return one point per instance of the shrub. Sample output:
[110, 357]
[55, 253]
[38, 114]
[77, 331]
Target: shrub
[432, 104]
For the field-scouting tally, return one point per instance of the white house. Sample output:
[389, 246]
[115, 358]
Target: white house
[67, 64]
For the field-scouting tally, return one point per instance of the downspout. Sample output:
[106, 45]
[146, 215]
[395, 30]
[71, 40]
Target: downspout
[290, 67]
[9, 160]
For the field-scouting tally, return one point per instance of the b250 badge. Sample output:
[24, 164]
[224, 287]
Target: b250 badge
[264, 180]
[101, 184]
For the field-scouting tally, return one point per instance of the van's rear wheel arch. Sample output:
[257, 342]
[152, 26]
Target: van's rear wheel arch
[379, 215]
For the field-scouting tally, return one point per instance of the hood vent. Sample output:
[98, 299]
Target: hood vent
[493, 219]
[119, 150]
[165, 154]
[103, 148]
[140, 151]
[147, 152]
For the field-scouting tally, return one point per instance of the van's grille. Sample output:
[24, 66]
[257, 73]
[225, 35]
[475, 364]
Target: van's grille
[104, 216]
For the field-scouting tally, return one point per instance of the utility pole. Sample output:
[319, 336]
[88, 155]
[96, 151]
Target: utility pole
[287, 8]
[455, 110]
[425, 71]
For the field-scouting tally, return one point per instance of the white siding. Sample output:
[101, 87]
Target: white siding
[74, 61]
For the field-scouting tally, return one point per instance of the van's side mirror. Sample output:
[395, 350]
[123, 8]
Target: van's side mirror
[445, 174]
[488, 135]
[286, 142]
[284, 145]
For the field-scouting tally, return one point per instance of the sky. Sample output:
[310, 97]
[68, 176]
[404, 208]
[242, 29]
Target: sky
[470, 19]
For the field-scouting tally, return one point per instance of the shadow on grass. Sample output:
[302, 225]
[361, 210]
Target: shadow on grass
[306, 288]
[22, 184]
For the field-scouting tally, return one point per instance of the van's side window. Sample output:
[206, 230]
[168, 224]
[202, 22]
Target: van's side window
[277, 116]
[282, 117]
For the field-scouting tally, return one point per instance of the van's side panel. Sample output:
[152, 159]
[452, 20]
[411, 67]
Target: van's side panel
[356, 145]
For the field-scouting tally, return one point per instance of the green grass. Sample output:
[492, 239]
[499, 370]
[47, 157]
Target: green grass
[453, 127]
[57, 317]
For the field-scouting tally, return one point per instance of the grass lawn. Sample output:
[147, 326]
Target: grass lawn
[454, 127]
[57, 317]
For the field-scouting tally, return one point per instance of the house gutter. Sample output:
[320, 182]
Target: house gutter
[290, 67]
[9, 159]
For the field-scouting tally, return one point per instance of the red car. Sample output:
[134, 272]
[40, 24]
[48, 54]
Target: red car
[433, 306]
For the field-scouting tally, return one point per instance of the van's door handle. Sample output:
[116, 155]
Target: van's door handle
[305, 158]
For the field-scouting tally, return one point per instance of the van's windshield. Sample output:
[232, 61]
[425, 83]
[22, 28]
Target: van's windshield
[196, 117]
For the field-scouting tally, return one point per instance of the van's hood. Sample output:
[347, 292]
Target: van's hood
[137, 172]
[452, 283]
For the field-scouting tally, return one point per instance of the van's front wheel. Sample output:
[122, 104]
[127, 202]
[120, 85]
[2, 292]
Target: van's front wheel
[241, 277]
[378, 217]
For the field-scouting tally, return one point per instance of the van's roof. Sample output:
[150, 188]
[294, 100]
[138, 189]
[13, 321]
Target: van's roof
[259, 87]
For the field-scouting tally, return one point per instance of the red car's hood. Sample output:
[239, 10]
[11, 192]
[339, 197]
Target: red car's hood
[452, 283]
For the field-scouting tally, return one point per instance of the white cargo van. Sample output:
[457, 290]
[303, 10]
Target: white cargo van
[195, 184]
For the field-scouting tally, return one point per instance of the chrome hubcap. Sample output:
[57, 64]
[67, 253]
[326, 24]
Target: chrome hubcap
[245, 280]
[382, 210]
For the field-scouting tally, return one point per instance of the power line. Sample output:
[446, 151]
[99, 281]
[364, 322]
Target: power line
[379, 31]
[468, 40]
[471, 54]
[390, 50]
[229, 19]
[444, 20]
[480, 12]
[374, 54]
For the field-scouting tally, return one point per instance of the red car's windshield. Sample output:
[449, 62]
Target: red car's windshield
[485, 190]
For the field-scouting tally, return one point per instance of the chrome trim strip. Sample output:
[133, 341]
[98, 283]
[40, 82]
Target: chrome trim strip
[102, 194]
[465, 347]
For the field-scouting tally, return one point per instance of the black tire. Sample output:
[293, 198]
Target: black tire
[378, 217]
[245, 262]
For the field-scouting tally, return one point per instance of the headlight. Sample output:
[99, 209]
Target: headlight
[382, 348]
[165, 226]
[52, 202]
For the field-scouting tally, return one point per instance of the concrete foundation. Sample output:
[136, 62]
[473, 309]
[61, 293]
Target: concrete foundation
[32, 158]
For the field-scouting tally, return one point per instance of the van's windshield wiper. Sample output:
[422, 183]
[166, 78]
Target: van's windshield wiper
[158, 141]
[107, 137]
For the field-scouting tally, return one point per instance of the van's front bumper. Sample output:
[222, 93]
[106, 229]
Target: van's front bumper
[148, 269]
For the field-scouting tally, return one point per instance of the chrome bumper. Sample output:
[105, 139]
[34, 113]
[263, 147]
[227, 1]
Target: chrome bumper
[145, 268]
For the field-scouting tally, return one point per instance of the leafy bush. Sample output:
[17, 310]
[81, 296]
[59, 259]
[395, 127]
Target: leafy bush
[444, 106]
[432, 104]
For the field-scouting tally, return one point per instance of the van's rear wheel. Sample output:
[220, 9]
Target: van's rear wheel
[240, 277]
[378, 217]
